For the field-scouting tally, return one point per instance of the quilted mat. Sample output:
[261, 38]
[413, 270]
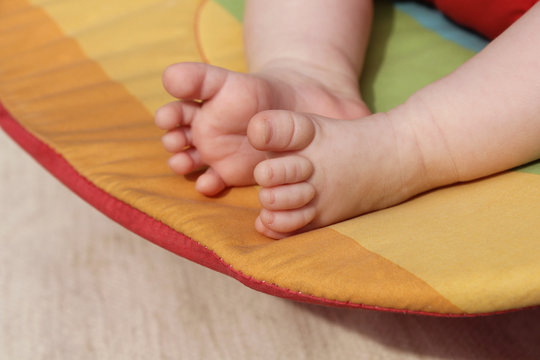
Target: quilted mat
[80, 81]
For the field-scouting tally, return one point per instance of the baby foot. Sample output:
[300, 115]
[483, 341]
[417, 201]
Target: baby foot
[324, 170]
[207, 126]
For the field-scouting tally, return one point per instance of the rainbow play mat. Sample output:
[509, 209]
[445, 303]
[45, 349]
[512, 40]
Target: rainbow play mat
[80, 81]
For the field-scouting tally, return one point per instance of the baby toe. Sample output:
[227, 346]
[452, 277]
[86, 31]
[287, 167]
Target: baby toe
[210, 183]
[280, 130]
[287, 221]
[284, 170]
[185, 161]
[174, 114]
[176, 140]
[287, 197]
[261, 228]
[193, 81]
[168, 116]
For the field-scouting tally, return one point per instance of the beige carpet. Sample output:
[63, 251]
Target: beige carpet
[75, 285]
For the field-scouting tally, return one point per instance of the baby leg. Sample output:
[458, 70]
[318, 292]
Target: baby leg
[290, 70]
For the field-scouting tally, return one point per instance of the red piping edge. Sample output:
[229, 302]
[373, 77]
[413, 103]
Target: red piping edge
[160, 233]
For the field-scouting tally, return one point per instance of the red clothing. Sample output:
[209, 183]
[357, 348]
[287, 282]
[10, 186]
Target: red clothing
[487, 17]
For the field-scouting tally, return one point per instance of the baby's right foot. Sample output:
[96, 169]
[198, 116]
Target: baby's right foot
[207, 125]
[326, 170]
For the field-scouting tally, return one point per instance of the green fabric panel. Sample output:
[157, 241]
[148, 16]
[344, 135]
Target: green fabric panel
[531, 168]
[235, 7]
[403, 56]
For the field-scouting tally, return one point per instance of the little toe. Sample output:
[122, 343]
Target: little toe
[194, 81]
[280, 130]
[174, 114]
[287, 221]
[287, 197]
[185, 162]
[261, 228]
[210, 183]
[283, 170]
[176, 140]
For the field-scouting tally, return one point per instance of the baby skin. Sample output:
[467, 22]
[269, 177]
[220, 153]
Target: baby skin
[209, 127]
[304, 135]
[302, 161]
[214, 109]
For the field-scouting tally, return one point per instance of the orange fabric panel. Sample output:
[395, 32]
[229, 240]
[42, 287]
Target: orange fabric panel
[343, 270]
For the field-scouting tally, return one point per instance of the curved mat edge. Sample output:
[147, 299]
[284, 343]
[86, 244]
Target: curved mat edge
[164, 236]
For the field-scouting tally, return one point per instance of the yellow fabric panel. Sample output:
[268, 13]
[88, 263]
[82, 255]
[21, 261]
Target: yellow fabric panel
[215, 44]
[133, 41]
[461, 240]
[327, 264]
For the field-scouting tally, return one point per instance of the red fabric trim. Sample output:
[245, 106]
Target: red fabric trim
[159, 233]
[488, 17]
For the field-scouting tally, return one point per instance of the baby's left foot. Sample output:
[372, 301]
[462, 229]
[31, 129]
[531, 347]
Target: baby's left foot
[322, 170]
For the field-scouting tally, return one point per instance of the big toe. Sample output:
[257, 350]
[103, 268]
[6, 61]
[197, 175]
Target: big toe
[194, 81]
[281, 130]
